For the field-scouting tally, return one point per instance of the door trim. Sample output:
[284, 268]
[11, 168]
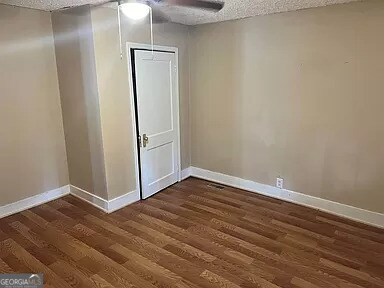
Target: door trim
[140, 46]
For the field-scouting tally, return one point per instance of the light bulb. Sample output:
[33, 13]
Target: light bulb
[135, 10]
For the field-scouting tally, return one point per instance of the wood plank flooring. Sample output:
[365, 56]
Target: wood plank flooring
[192, 235]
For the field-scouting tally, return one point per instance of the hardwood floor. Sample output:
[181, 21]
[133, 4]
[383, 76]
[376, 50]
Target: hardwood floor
[192, 235]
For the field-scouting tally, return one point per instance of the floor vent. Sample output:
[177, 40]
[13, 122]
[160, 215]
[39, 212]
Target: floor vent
[216, 186]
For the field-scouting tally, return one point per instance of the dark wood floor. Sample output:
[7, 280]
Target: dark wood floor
[192, 235]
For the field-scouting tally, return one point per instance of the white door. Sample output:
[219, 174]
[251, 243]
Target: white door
[158, 119]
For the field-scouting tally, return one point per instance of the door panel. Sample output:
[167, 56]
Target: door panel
[157, 104]
[157, 95]
[163, 156]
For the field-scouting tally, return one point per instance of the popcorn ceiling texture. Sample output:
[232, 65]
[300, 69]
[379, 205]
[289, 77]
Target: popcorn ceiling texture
[234, 9]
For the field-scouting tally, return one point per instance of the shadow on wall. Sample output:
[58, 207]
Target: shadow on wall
[79, 98]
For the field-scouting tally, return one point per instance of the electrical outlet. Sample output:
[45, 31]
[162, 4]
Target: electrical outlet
[279, 182]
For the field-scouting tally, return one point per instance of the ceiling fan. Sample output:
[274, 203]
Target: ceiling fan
[139, 9]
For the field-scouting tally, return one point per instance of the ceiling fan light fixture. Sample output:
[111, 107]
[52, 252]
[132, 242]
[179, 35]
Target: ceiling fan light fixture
[134, 10]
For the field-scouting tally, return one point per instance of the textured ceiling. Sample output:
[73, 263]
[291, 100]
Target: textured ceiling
[233, 9]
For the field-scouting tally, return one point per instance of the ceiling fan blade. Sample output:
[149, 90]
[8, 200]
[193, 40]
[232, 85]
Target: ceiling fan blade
[158, 16]
[85, 5]
[214, 6]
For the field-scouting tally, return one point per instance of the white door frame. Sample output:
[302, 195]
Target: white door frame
[133, 45]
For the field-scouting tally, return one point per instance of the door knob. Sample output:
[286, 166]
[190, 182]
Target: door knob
[145, 140]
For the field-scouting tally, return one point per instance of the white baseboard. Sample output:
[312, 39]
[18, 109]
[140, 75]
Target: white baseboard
[33, 201]
[185, 173]
[354, 213]
[122, 201]
[107, 206]
[86, 196]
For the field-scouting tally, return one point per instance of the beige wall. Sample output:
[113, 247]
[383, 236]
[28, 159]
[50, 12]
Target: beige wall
[80, 100]
[113, 87]
[296, 94]
[32, 148]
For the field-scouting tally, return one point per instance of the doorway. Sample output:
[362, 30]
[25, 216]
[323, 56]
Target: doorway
[155, 109]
